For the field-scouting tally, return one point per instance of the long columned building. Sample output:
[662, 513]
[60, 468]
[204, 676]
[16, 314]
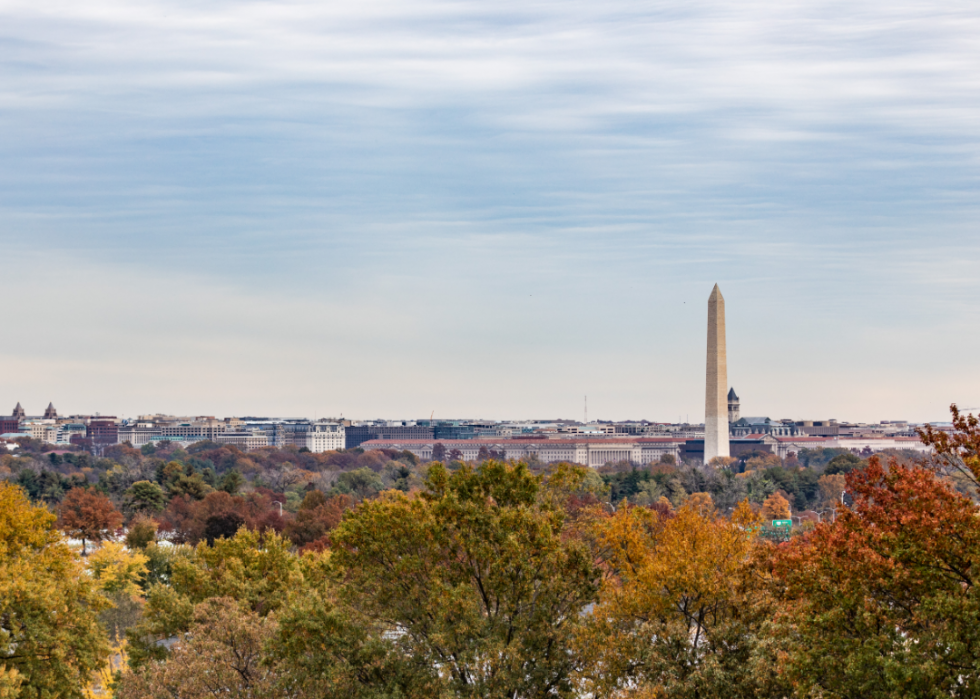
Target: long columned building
[587, 452]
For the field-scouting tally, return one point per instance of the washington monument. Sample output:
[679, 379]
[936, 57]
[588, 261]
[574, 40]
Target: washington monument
[716, 390]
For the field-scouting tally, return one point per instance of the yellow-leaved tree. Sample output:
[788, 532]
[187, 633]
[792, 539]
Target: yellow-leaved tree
[679, 611]
[117, 570]
[49, 629]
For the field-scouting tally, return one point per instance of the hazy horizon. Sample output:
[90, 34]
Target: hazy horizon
[385, 209]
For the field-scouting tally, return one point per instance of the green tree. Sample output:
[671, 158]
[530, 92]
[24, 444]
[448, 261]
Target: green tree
[145, 496]
[360, 483]
[329, 651]
[477, 573]
[141, 533]
[231, 482]
[842, 463]
[49, 629]
[193, 487]
[257, 571]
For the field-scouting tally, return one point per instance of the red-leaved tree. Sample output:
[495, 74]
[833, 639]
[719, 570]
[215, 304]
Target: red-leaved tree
[884, 602]
[88, 515]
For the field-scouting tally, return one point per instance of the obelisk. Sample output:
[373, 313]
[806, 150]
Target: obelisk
[716, 389]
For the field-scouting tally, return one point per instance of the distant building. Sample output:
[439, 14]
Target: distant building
[194, 431]
[246, 441]
[102, 432]
[763, 425]
[819, 428]
[50, 413]
[318, 437]
[35, 429]
[67, 430]
[9, 425]
[593, 452]
[733, 411]
[19, 412]
[356, 435]
[139, 433]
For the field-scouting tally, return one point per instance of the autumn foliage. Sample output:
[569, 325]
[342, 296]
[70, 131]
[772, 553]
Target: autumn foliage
[502, 580]
[884, 602]
[88, 515]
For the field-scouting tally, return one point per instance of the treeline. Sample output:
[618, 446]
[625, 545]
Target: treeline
[268, 488]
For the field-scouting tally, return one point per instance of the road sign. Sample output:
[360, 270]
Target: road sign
[782, 523]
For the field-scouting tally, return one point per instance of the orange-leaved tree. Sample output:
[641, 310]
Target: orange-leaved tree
[884, 602]
[775, 507]
[679, 611]
[88, 515]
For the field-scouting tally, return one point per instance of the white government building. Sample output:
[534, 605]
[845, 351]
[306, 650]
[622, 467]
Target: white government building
[588, 452]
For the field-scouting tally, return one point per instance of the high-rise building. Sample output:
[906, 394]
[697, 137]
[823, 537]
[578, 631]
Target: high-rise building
[716, 399]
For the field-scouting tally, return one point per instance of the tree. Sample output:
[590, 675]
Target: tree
[831, 488]
[88, 515]
[360, 483]
[231, 482]
[678, 613]
[51, 640]
[884, 602]
[477, 574]
[722, 462]
[775, 507]
[222, 525]
[145, 496]
[958, 450]
[187, 518]
[189, 486]
[701, 503]
[117, 571]
[842, 463]
[439, 452]
[331, 651]
[222, 656]
[259, 572]
[141, 533]
[10, 683]
[317, 516]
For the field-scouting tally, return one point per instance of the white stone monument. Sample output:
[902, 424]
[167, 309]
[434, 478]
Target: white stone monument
[716, 390]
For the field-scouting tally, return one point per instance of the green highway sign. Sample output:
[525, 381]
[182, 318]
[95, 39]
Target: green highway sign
[782, 523]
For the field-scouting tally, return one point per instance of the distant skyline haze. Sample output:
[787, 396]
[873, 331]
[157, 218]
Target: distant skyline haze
[489, 210]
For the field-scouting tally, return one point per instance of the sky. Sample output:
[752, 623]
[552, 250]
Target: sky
[489, 209]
